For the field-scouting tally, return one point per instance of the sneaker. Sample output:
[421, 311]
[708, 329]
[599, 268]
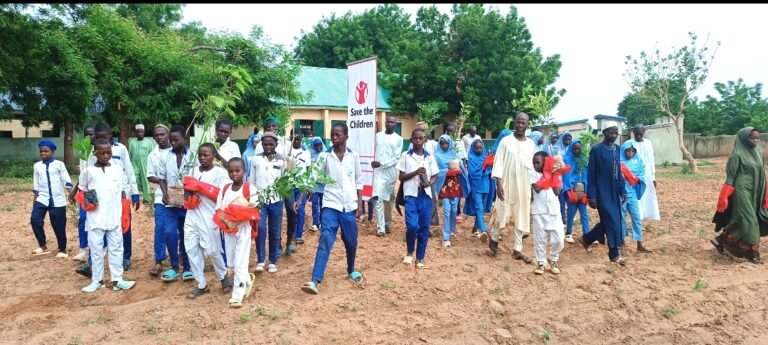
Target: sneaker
[387, 229]
[92, 287]
[314, 227]
[62, 255]
[453, 235]
[290, 249]
[569, 239]
[380, 233]
[446, 244]
[84, 270]
[82, 255]
[272, 268]
[197, 292]
[484, 237]
[280, 251]
[126, 264]
[555, 267]
[299, 240]
[260, 267]
[123, 285]
[539, 268]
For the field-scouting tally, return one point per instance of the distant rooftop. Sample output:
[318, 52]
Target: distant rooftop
[329, 89]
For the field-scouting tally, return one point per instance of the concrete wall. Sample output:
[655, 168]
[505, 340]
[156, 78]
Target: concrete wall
[26, 149]
[717, 146]
[18, 131]
[666, 146]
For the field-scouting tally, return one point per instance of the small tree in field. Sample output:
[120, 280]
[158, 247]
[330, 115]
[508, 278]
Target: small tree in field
[669, 80]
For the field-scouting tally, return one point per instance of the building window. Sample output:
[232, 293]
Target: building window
[6, 134]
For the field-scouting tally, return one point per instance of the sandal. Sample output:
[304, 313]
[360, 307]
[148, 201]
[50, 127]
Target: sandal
[718, 246]
[520, 256]
[356, 277]
[310, 287]
[187, 276]
[408, 260]
[226, 285]
[420, 265]
[619, 260]
[197, 292]
[155, 271]
[170, 275]
[586, 246]
[249, 286]
[235, 304]
[40, 251]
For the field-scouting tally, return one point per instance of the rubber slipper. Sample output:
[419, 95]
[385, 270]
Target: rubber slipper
[155, 271]
[523, 258]
[197, 292]
[356, 277]
[310, 288]
[249, 286]
[233, 303]
[408, 260]
[170, 275]
[40, 251]
[187, 276]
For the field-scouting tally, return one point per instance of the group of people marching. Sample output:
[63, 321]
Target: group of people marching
[207, 203]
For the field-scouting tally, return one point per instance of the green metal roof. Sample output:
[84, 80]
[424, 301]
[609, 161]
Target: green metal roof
[568, 123]
[329, 88]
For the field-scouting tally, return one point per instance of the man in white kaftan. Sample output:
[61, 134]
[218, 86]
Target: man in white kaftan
[389, 147]
[649, 204]
[511, 169]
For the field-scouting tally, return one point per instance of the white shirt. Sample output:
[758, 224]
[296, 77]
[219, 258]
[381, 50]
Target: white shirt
[49, 181]
[231, 195]
[342, 195]
[468, 140]
[123, 160]
[155, 163]
[545, 201]
[283, 147]
[229, 150]
[430, 146]
[301, 158]
[202, 215]
[173, 173]
[410, 162]
[264, 173]
[109, 185]
[389, 147]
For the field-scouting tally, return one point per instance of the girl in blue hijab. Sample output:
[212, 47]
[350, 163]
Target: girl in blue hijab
[634, 166]
[536, 137]
[316, 148]
[575, 180]
[563, 142]
[482, 188]
[451, 187]
[253, 140]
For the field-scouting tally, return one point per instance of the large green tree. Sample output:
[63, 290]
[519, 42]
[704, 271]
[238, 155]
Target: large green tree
[478, 58]
[669, 80]
[737, 105]
[336, 41]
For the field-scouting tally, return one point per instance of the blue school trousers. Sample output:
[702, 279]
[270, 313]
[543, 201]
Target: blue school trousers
[332, 220]
[161, 240]
[450, 207]
[317, 206]
[58, 218]
[174, 235]
[572, 208]
[479, 200]
[300, 213]
[418, 213]
[633, 207]
[81, 233]
[274, 214]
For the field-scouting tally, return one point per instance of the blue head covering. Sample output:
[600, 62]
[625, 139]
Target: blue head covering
[47, 143]
[561, 147]
[445, 156]
[249, 152]
[502, 135]
[474, 160]
[314, 152]
[578, 165]
[636, 166]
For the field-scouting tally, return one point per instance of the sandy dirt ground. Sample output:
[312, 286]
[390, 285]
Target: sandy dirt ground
[682, 293]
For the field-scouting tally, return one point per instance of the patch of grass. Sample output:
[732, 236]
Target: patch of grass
[356, 306]
[192, 335]
[619, 291]
[484, 325]
[259, 310]
[245, 318]
[395, 302]
[545, 334]
[387, 285]
[101, 319]
[15, 185]
[163, 336]
[508, 268]
[150, 327]
[611, 270]
[686, 176]
[501, 289]
[686, 170]
[669, 312]
[286, 338]
[705, 163]
[665, 164]
[11, 207]
[17, 169]
[9, 268]
[699, 285]
[75, 341]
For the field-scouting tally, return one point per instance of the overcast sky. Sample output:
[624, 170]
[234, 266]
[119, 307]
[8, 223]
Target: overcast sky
[592, 40]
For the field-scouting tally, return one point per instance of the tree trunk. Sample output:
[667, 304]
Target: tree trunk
[69, 133]
[678, 120]
[123, 125]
